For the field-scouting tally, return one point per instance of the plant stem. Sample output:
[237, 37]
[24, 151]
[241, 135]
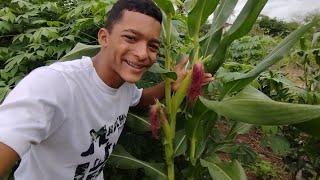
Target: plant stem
[192, 149]
[170, 128]
[168, 64]
[169, 158]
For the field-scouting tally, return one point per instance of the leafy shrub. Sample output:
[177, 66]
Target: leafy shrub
[250, 50]
[36, 33]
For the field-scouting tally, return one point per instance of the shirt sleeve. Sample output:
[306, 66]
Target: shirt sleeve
[33, 109]
[136, 95]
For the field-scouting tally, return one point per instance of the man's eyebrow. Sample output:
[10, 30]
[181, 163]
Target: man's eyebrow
[153, 40]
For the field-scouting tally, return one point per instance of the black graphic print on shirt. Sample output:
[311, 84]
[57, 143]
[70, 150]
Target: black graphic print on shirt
[101, 139]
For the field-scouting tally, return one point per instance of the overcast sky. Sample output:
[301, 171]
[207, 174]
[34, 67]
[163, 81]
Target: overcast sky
[286, 9]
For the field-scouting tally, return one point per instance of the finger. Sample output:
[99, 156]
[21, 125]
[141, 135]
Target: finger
[207, 80]
[207, 75]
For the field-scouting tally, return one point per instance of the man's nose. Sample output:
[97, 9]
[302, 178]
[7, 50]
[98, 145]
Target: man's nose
[141, 51]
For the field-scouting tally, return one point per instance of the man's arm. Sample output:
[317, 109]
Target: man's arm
[150, 94]
[8, 158]
[158, 91]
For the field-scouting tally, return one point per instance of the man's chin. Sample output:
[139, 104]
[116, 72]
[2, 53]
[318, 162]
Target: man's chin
[132, 79]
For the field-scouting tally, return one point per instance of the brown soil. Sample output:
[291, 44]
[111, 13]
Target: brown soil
[292, 72]
[253, 139]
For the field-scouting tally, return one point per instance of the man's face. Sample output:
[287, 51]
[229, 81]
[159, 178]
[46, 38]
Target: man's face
[133, 45]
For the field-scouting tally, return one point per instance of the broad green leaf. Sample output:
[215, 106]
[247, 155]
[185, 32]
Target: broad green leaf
[224, 170]
[239, 128]
[224, 10]
[253, 107]
[273, 57]
[81, 50]
[156, 68]
[199, 14]
[5, 26]
[311, 127]
[199, 125]
[169, 31]
[189, 4]
[10, 63]
[278, 144]
[211, 43]
[166, 6]
[120, 158]
[245, 19]
[180, 143]
[198, 128]
[137, 123]
[241, 27]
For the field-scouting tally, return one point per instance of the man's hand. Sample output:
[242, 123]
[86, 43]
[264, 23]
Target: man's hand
[157, 92]
[181, 71]
[8, 157]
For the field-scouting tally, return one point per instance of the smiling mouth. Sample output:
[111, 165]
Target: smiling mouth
[135, 66]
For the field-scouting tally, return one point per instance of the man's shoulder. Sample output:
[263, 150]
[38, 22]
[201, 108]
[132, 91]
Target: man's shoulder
[76, 65]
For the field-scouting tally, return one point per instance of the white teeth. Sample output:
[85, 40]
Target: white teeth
[134, 65]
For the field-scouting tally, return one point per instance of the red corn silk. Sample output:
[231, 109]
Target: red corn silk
[194, 90]
[154, 121]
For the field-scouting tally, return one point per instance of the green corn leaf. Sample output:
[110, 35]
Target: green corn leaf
[241, 27]
[210, 44]
[245, 19]
[166, 6]
[156, 68]
[278, 52]
[81, 50]
[137, 123]
[224, 170]
[189, 5]
[120, 158]
[198, 128]
[253, 107]
[199, 14]
[221, 16]
[199, 125]
[180, 143]
[311, 127]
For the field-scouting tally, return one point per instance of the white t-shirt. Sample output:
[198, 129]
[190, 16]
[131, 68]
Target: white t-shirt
[64, 121]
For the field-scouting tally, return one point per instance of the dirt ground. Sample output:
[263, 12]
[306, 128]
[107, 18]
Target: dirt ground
[292, 72]
[254, 139]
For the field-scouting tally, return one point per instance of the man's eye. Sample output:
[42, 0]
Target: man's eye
[130, 38]
[154, 48]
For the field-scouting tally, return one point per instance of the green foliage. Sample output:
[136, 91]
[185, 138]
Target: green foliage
[252, 106]
[275, 27]
[36, 33]
[276, 86]
[250, 50]
[265, 170]
[122, 159]
[219, 170]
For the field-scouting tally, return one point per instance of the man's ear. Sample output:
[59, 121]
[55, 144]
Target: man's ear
[103, 35]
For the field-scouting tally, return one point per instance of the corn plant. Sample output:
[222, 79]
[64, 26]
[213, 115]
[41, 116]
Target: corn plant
[234, 99]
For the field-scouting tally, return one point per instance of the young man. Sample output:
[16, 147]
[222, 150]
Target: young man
[64, 120]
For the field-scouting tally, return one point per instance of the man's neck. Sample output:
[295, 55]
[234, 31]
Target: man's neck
[101, 63]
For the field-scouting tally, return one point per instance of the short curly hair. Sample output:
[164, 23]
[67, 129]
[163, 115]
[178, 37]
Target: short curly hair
[147, 7]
